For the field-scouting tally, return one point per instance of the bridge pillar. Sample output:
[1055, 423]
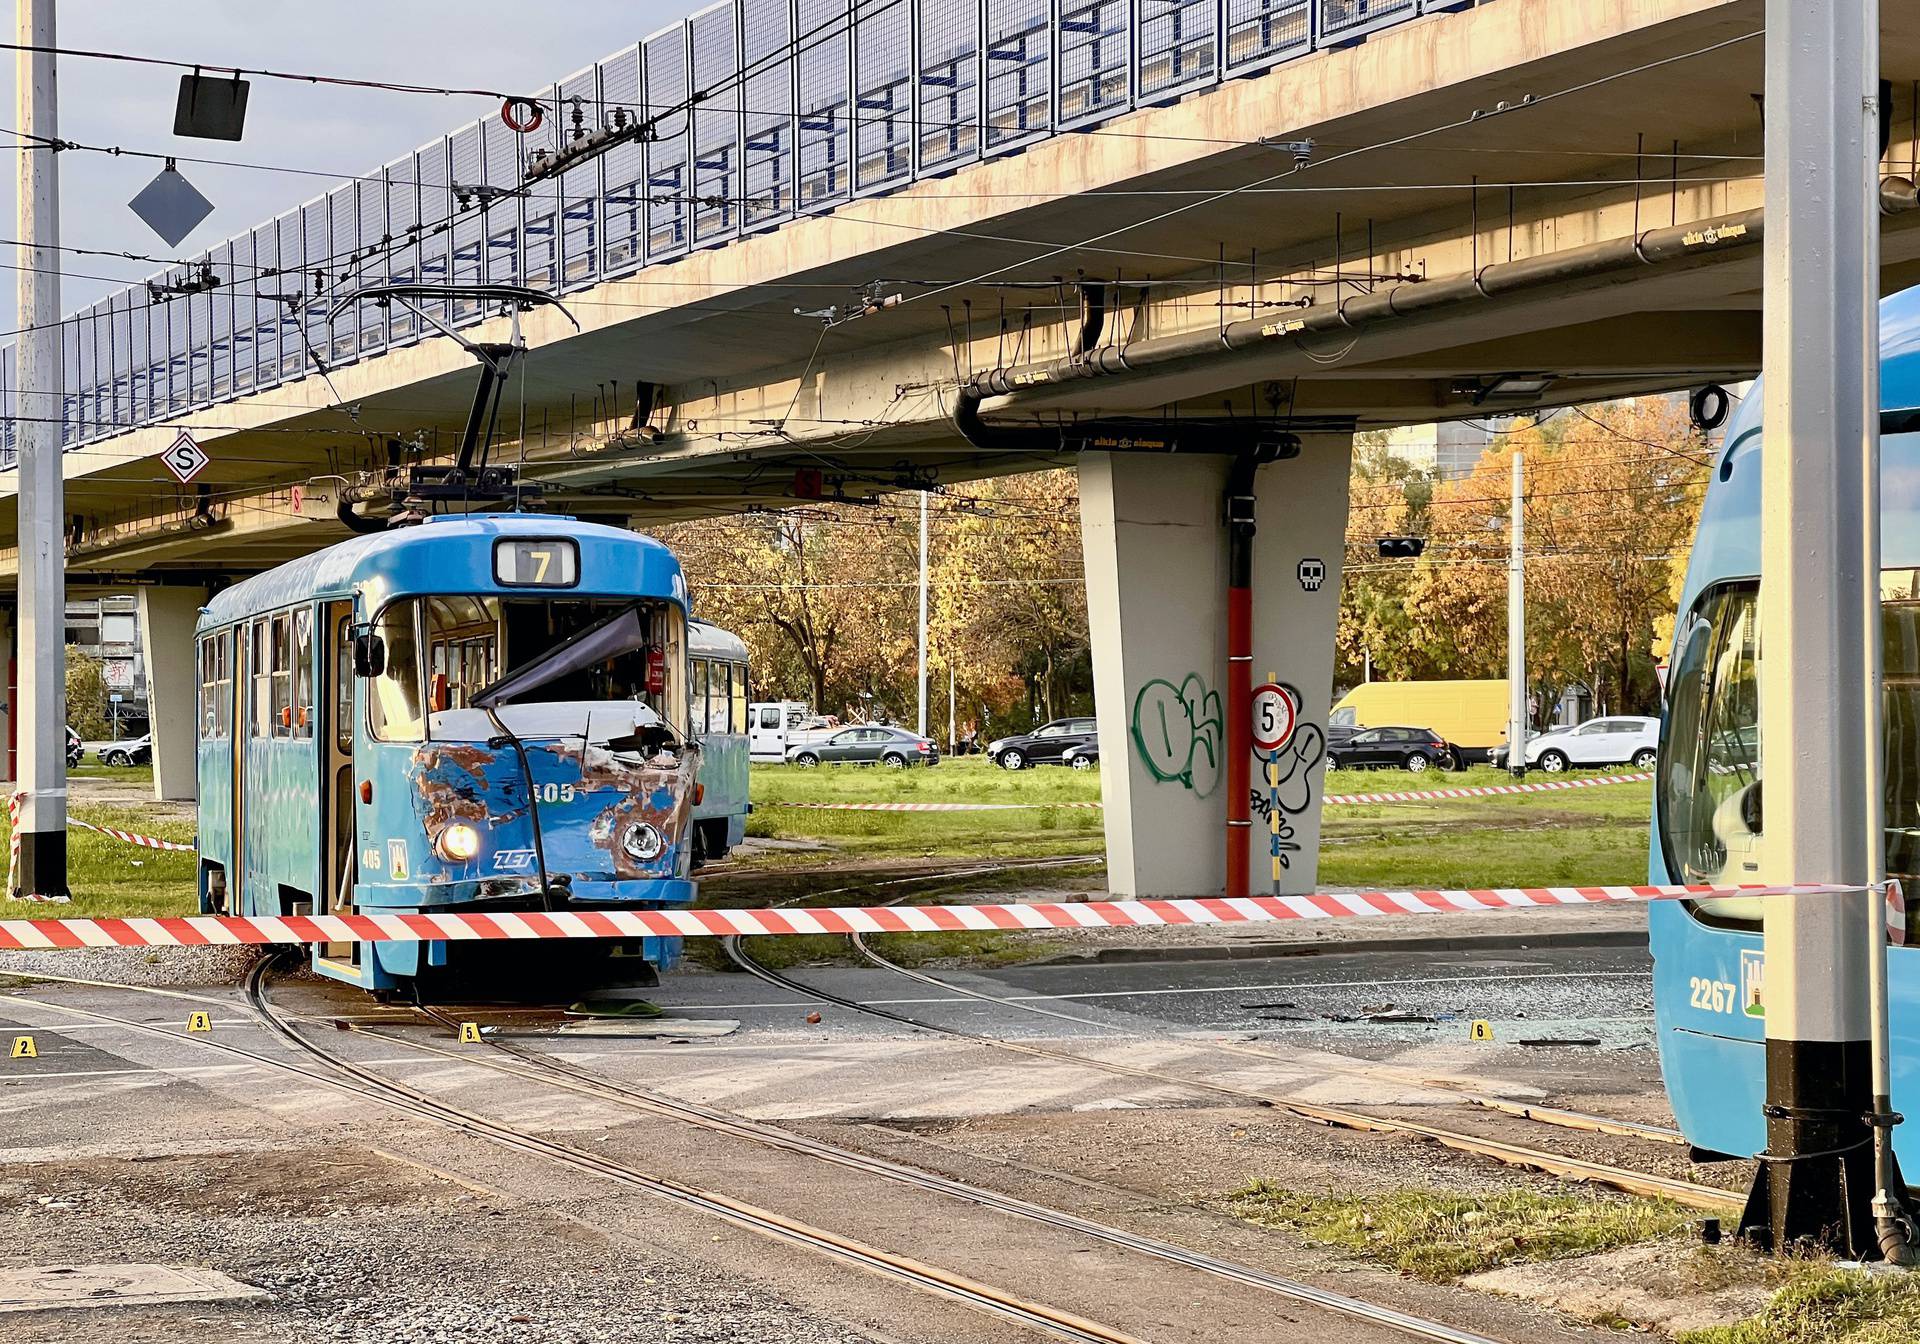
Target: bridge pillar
[167, 616]
[1155, 539]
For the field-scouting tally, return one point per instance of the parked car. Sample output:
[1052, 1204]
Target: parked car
[1415, 749]
[1616, 740]
[867, 744]
[133, 751]
[1086, 756]
[1046, 745]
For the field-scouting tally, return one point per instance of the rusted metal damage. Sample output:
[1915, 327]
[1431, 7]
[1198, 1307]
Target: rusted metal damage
[591, 797]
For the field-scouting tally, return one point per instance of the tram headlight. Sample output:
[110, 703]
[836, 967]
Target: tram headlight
[457, 843]
[643, 842]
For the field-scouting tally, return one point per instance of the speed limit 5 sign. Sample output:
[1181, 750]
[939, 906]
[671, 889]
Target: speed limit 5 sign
[1274, 716]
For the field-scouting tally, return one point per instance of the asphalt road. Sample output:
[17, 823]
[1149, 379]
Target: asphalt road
[1558, 994]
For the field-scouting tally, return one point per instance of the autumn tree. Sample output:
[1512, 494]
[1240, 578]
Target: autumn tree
[818, 593]
[1612, 495]
[825, 596]
[87, 703]
[1388, 497]
[1009, 598]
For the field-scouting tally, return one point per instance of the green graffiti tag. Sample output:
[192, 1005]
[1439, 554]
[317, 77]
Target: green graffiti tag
[1177, 730]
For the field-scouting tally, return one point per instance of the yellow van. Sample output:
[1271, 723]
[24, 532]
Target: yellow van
[1472, 715]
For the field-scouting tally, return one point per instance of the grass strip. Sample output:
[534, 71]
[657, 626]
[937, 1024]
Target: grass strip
[1441, 1237]
[1821, 1304]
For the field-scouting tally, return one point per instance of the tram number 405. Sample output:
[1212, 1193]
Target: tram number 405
[554, 793]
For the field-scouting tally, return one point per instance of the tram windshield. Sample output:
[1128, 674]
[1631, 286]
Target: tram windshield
[1711, 814]
[442, 650]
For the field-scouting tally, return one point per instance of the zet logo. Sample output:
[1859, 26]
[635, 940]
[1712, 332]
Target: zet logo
[1753, 967]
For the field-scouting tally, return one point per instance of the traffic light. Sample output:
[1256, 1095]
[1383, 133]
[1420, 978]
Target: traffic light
[1402, 548]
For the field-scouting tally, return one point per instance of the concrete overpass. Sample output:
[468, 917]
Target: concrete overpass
[1011, 242]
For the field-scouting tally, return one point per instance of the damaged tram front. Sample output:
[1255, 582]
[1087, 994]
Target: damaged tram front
[478, 712]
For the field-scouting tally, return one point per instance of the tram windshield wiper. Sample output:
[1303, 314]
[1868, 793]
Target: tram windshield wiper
[623, 632]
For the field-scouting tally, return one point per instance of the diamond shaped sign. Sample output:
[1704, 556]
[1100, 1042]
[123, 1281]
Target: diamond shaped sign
[184, 458]
[170, 205]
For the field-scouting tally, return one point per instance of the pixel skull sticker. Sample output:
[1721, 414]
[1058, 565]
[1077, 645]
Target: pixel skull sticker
[1313, 573]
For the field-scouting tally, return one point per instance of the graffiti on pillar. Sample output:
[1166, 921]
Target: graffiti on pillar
[1285, 787]
[1178, 731]
[1312, 572]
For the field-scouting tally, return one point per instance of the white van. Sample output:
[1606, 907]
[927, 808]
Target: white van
[771, 725]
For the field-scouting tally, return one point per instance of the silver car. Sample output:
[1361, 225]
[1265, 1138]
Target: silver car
[867, 744]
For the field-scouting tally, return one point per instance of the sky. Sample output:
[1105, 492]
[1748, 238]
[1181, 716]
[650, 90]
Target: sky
[504, 44]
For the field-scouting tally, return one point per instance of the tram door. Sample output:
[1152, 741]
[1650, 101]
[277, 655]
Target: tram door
[239, 890]
[337, 794]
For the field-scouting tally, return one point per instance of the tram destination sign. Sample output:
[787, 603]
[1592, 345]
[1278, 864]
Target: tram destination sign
[184, 458]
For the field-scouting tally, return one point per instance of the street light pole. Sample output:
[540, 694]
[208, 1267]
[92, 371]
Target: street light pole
[42, 699]
[922, 726]
[1517, 625]
[1819, 621]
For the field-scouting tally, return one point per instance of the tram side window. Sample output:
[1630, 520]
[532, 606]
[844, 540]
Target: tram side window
[720, 698]
[1711, 746]
[394, 695]
[1712, 737]
[281, 690]
[216, 685]
[738, 719]
[261, 667]
[463, 639]
[1900, 709]
[303, 674]
[343, 687]
[697, 696]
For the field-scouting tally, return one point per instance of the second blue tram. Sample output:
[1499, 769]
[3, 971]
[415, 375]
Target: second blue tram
[477, 711]
[717, 715]
[1708, 957]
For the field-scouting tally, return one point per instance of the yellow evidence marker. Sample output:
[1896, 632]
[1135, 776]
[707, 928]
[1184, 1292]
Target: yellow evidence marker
[24, 1048]
[470, 1033]
[199, 1022]
[1482, 1031]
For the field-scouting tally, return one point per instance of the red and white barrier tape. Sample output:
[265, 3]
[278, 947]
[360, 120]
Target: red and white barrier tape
[1333, 800]
[13, 845]
[132, 838]
[223, 930]
[1487, 790]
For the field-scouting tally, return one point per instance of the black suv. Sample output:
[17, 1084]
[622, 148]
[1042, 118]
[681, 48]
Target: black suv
[1043, 746]
[1412, 749]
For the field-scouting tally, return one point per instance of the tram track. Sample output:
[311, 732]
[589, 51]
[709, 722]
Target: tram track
[343, 1075]
[1545, 1115]
[1519, 1155]
[950, 870]
[358, 1080]
[558, 1072]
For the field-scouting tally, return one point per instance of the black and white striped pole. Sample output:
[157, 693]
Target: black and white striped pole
[41, 705]
[1819, 681]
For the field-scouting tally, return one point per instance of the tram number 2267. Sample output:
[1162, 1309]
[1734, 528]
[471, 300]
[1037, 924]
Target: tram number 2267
[554, 793]
[1715, 996]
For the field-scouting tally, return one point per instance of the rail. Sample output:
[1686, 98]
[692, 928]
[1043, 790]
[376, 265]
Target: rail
[763, 111]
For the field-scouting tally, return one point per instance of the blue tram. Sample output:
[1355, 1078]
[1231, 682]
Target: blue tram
[717, 703]
[1708, 956]
[477, 711]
